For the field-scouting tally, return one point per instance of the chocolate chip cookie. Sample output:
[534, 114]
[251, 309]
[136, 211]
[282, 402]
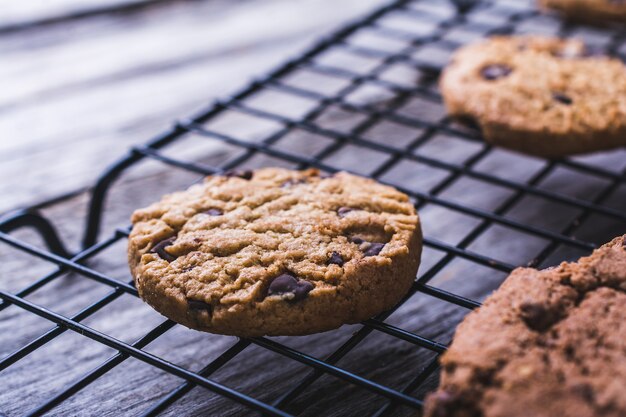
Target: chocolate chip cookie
[588, 10]
[275, 252]
[538, 95]
[547, 343]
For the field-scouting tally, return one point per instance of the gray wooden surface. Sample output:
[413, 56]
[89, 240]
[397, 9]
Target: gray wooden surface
[77, 93]
[115, 81]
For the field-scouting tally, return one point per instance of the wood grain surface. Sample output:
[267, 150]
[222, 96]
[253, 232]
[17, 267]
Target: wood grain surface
[166, 67]
[78, 93]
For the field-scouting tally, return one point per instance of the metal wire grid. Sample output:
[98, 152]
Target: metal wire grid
[515, 14]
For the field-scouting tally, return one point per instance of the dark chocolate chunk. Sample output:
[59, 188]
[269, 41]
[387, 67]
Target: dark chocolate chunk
[159, 249]
[196, 305]
[245, 174]
[286, 283]
[342, 211]
[562, 98]
[373, 249]
[214, 212]
[495, 71]
[537, 316]
[368, 248]
[335, 258]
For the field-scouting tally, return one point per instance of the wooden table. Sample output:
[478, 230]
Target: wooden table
[83, 81]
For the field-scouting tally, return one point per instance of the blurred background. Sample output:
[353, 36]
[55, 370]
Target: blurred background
[84, 80]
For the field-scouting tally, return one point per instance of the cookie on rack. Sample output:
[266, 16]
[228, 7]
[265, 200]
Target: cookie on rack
[542, 96]
[588, 10]
[547, 343]
[275, 252]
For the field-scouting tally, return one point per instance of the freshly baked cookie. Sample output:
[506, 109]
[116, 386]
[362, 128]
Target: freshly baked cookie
[542, 96]
[588, 10]
[275, 252]
[547, 343]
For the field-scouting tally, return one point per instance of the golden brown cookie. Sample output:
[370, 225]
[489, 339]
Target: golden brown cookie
[275, 252]
[588, 10]
[547, 343]
[542, 96]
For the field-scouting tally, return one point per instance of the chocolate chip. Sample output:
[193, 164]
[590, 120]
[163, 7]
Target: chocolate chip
[196, 305]
[335, 258]
[159, 249]
[373, 249]
[245, 174]
[368, 248]
[562, 98]
[495, 71]
[537, 316]
[214, 212]
[285, 283]
[342, 211]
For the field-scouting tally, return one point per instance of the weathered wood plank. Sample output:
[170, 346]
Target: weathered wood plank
[74, 100]
[22, 15]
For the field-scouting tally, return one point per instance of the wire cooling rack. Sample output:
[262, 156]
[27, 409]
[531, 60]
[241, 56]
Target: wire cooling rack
[385, 76]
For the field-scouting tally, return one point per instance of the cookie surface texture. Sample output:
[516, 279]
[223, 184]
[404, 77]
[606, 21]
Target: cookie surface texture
[547, 343]
[275, 252]
[538, 95]
[595, 11]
